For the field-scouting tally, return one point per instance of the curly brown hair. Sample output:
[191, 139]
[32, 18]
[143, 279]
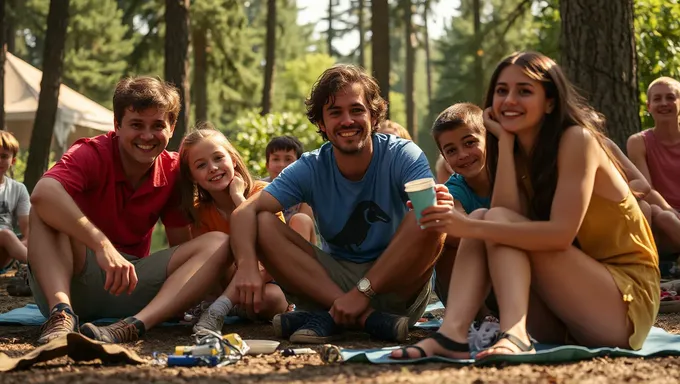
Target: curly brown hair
[140, 93]
[336, 78]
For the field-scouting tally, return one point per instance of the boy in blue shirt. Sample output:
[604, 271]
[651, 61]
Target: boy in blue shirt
[375, 264]
[461, 138]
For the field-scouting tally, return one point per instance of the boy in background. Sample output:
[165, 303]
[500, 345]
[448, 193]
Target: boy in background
[282, 151]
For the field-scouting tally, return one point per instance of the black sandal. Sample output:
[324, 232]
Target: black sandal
[442, 340]
[514, 340]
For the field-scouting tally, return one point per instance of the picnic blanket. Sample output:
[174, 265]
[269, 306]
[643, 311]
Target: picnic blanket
[30, 315]
[659, 343]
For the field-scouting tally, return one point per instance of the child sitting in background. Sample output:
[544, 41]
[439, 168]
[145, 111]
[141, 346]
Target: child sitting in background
[461, 138]
[214, 181]
[656, 153]
[14, 207]
[281, 152]
[390, 127]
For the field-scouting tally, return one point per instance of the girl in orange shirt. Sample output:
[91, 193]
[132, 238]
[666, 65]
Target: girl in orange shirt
[214, 181]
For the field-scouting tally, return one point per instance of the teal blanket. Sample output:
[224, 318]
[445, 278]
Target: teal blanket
[658, 343]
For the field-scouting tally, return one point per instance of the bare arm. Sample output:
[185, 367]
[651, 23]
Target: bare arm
[178, 235]
[506, 192]
[577, 166]
[637, 152]
[56, 208]
[244, 226]
[23, 227]
[636, 180]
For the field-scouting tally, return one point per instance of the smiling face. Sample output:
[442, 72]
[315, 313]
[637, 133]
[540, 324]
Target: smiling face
[663, 103]
[278, 160]
[143, 135]
[211, 166]
[519, 102]
[347, 120]
[464, 150]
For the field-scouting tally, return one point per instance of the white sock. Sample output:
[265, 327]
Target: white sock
[221, 306]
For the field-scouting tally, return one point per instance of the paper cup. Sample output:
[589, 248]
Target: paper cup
[422, 194]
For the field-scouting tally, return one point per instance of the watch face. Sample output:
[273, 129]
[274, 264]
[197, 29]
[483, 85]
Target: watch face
[363, 284]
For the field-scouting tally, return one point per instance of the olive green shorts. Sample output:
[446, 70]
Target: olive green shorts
[90, 301]
[346, 274]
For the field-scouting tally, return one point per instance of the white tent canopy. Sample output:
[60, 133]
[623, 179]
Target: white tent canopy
[22, 88]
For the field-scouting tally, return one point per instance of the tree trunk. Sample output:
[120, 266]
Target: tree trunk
[48, 101]
[177, 61]
[3, 50]
[200, 85]
[270, 57]
[331, 32]
[10, 21]
[599, 57]
[478, 69]
[362, 34]
[428, 57]
[410, 70]
[380, 42]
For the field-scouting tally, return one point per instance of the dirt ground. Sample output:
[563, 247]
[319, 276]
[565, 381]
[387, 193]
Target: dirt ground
[275, 368]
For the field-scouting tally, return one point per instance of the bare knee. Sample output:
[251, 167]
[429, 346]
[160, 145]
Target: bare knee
[478, 214]
[499, 214]
[5, 236]
[646, 210]
[266, 221]
[301, 223]
[206, 244]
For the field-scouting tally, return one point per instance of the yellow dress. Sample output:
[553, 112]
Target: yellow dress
[618, 235]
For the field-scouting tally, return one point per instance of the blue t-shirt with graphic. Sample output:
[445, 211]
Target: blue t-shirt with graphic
[356, 219]
[461, 191]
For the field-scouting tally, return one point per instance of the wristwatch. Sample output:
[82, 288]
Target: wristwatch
[364, 286]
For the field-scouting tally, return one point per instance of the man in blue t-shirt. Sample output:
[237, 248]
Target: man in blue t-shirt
[374, 268]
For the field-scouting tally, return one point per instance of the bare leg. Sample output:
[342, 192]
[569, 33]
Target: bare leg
[291, 260]
[193, 269]
[54, 259]
[13, 247]
[668, 224]
[646, 210]
[591, 308]
[304, 226]
[469, 286]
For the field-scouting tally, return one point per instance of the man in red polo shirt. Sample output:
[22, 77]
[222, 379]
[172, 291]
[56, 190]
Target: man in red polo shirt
[92, 219]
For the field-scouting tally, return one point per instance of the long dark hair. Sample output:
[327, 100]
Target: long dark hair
[570, 109]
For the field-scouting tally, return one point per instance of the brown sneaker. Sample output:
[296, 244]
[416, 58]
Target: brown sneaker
[123, 331]
[58, 324]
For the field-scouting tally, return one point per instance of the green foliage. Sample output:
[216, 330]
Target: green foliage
[20, 165]
[252, 132]
[96, 51]
[657, 23]
[159, 240]
[295, 82]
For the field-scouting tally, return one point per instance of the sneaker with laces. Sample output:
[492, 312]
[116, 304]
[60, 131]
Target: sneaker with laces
[285, 324]
[60, 322]
[211, 320]
[386, 326]
[320, 328]
[124, 331]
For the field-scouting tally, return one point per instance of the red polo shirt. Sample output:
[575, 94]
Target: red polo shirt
[92, 173]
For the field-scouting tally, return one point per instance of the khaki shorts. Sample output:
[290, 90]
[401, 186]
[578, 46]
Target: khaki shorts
[90, 301]
[346, 274]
